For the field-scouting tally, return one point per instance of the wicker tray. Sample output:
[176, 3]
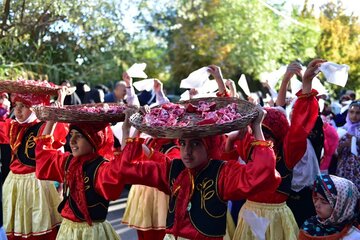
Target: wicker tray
[246, 109]
[82, 113]
[29, 86]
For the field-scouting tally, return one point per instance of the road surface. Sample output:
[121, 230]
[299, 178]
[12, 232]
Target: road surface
[116, 211]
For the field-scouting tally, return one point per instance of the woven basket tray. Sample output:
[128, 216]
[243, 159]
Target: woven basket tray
[247, 110]
[28, 86]
[77, 113]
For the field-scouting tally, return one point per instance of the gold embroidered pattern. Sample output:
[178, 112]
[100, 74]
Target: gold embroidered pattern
[306, 95]
[42, 137]
[262, 143]
[86, 180]
[14, 138]
[30, 144]
[173, 196]
[206, 194]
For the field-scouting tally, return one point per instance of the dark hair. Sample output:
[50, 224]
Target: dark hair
[354, 103]
[102, 87]
[345, 98]
[65, 81]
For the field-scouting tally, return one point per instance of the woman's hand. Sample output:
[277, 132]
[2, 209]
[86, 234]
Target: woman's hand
[293, 68]
[128, 80]
[215, 71]
[310, 73]
[62, 92]
[233, 136]
[230, 84]
[145, 109]
[158, 86]
[128, 113]
[193, 92]
[126, 126]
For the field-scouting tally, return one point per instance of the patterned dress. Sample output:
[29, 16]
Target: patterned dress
[348, 163]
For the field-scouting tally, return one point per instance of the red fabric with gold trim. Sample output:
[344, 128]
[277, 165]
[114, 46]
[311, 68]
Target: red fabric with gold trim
[30, 99]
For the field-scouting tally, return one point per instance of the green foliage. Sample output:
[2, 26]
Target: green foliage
[88, 40]
[60, 40]
[239, 36]
[340, 41]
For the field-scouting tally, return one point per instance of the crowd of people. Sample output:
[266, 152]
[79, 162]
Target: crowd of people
[292, 173]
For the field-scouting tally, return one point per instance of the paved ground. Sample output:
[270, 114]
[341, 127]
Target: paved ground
[116, 211]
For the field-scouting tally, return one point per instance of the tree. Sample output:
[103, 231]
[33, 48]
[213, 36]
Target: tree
[63, 40]
[339, 41]
[88, 40]
[240, 36]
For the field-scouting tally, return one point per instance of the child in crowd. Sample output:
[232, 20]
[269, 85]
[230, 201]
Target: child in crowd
[90, 180]
[5, 150]
[147, 207]
[29, 205]
[289, 147]
[5, 153]
[336, 203]
[348, 165]
[199, 185]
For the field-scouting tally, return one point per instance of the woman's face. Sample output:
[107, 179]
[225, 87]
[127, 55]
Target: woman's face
[193, 152]
[79, 144]
[21, 111]
[354, 113]
[322, 206]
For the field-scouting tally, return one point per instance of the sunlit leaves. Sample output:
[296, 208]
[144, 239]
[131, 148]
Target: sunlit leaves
[340, 40]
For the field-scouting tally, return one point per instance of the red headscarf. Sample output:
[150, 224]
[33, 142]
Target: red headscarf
[99, 135]
[30, 99]
[214, 146]
[276, 122]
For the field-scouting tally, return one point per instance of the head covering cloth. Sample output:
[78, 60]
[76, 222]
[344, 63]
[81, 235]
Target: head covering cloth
[343, 197]
[31, 99]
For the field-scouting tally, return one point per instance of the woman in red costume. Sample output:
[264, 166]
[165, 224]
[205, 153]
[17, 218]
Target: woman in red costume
[29, 205]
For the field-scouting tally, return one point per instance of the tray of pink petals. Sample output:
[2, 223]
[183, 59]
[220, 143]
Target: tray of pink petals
[202, 113]
[29, 86]
[104, 112]
[197, 117]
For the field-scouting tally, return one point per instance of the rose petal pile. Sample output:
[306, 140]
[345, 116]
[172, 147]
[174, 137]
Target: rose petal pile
[23, 82]
[202, 113]
[167, 115]
[111, 109]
